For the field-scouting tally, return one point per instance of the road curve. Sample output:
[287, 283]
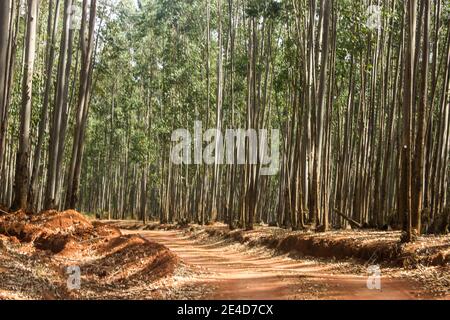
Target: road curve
[236, 275]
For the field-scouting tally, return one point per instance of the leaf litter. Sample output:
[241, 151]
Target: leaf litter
[36, 251]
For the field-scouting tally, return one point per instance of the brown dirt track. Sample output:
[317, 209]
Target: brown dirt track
[196, 262]
[236, 274]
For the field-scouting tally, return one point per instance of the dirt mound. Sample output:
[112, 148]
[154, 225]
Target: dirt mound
[367, 246]
[29, 227]
[3, 240]
[339, 248]
[54, 231]
[109, 262]
[130, 259]
[105, 230]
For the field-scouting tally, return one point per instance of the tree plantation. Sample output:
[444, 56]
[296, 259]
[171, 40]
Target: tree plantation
[352, 97]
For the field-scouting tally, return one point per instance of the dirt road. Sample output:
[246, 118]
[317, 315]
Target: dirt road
[238, 275]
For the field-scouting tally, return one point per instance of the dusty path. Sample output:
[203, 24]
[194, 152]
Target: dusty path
[238, 276]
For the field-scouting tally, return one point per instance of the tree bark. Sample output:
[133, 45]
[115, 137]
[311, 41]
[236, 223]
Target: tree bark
[21, 183]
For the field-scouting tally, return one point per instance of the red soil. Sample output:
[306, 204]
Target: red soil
[241, 275]
[51, 241]
[380, 247]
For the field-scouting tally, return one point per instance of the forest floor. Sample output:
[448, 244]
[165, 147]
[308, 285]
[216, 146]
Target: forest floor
[127, 260]
[272, 263]
[38, 252]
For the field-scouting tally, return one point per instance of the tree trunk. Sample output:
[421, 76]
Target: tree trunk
[408, 105]
[21, 183]
[87, 47]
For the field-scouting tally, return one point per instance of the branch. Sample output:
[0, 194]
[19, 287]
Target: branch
[352, 222]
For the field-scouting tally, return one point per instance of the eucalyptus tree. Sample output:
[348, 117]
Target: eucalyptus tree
[55, 147]
[359, 91]
[22, 178]
[88, 23]
[52, 29]
[7, 17]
